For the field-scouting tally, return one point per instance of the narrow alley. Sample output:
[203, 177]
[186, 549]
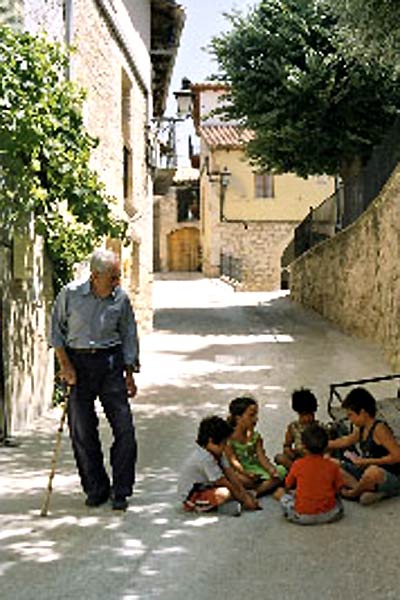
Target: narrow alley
[209, 345]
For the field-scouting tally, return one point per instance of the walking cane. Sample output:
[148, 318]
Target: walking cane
[46, 501]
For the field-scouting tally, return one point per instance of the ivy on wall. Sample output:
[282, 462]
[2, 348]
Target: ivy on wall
[44, 154]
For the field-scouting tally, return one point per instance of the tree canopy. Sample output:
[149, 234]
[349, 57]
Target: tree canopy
[371, 25]
[45, 152]
[313, 107]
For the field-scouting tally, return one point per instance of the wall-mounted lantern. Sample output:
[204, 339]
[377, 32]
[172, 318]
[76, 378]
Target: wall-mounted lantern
[225, 177]
[184, 99]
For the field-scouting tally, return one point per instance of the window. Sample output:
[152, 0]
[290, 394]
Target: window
[126, 131]
[264, 185]
[127, 173]
[188, 203]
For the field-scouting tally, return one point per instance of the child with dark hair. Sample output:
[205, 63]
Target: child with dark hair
[245, 449]
[373, 474]
[316, 481]
[207, 482]
[304, 403]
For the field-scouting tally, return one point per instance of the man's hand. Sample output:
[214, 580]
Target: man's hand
[130, 385]
[67, 370]
[68, 373]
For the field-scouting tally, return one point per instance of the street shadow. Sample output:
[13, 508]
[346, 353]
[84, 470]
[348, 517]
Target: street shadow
[154, 550]
[78, 552]
[275, 316]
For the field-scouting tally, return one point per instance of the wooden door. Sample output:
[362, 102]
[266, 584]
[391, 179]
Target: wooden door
[183, 250]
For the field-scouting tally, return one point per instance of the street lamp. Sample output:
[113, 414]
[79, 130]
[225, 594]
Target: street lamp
[184, 99]
[225, 177]
[224, 180]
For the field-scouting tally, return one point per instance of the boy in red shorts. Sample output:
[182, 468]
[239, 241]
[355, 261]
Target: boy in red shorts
[207, 482]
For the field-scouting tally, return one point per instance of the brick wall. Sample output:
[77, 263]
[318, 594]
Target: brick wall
[353, 279]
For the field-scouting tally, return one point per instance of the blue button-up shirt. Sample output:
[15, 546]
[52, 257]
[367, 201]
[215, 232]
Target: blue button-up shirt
[81, 319]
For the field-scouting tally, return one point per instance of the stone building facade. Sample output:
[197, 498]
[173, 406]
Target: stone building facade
[177, 226]
[117, 109]
[124, 51]
[353, 279]
[259, 247]
[247, 217]
[26, 365]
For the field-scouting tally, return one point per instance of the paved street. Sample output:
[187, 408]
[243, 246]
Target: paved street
[209, 345]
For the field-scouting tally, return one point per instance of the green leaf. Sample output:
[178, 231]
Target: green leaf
[313, 103]
[45, 152]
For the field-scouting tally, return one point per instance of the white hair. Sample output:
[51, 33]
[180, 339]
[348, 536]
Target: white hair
[102, 260]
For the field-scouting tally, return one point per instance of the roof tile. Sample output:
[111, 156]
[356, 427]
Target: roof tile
[225, 136]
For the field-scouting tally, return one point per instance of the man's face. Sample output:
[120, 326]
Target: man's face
[105, 283]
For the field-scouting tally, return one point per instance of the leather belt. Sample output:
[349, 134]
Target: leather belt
[109, 350]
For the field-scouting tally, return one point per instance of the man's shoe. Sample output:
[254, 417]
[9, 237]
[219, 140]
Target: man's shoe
[93, 501]
[119, 503]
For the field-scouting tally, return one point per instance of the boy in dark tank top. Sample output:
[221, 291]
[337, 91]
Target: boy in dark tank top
[375, 472]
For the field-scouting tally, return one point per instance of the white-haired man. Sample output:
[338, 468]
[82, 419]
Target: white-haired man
[94, 336]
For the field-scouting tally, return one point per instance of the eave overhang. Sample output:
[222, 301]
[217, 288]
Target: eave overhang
[167, 20]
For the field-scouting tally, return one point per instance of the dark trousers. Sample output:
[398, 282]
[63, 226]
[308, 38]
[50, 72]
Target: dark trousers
[101, 375]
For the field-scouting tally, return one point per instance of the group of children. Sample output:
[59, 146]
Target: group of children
[229, 468]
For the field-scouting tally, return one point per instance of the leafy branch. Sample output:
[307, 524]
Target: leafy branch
[44, 154]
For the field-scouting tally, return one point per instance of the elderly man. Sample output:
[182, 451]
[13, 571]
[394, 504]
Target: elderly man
[95, 339]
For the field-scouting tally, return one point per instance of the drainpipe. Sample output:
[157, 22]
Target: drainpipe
[69, 14]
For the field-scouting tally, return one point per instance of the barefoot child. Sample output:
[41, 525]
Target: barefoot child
[207, 481]
[245, 449]
[304, 403]
[316, 482]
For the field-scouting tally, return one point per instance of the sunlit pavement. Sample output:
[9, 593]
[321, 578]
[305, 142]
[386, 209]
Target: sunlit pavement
[209, 345]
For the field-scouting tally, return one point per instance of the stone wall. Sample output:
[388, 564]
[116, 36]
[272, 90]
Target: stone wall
[166, 212]
[26, 303]
[45, 16]
[99, 64]
[259, 245]
[116, 112]
[25, 275]
[353, 279]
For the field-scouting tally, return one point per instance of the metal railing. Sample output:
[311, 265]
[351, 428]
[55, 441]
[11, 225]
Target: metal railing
[320, 224]
[230, 267]
[351, 199]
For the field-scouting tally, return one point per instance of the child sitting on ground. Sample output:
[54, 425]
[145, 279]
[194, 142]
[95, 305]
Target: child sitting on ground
[304, 403]
[245, 450]
[317, 481]
[375, 474]
[207, 481]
